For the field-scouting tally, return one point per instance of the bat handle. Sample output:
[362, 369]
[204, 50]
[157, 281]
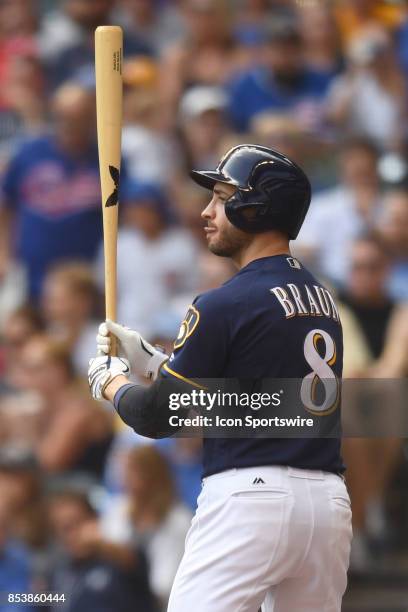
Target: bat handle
[111, 315]
[110, 291]
[114, 346]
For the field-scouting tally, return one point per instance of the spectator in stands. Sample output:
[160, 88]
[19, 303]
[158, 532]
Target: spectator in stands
[51, 192]
[367, 298]
[251, 19]
[345, 211]
[203, 124]
[393, 361]
[205, 57]
[185, 460]
[211, 273]
[67, 38]
[69, 431]
[320, 37]
[21, 484]
[14, 566]
[372, 87]
[93, 574]
[283, 132]
[250, 28]
[24, 93]
[20, 326]
[393, 228]
[366, 292]
[158, 25]
[154, 254]
[284, 84]
[71, 302]
[69, 23]
[150, 151]
[401, 41]
[18, 18]
[149, 512]
[18, 25]
[354, 17]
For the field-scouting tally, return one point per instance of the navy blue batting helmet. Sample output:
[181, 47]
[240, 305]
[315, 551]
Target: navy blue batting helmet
[269, 185]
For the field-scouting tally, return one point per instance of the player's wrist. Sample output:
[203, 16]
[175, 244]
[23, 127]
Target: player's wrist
[114, 385]
[102, 371]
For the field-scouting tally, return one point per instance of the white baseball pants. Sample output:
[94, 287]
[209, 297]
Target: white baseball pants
[272, 536]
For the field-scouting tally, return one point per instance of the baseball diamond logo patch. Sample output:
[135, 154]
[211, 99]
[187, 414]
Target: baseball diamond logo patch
[187, 326]
[114, 196]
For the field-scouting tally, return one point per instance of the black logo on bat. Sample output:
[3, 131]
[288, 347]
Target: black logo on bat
[114, 196]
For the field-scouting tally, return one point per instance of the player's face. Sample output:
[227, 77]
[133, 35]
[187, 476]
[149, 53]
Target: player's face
[223, 238]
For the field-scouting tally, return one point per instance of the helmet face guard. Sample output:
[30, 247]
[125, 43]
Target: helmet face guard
[272, 191]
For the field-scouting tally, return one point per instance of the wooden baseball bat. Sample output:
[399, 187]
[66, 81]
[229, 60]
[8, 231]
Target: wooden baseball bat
[108, 70]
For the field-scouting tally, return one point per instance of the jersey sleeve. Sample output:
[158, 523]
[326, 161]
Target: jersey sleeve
[200, 349]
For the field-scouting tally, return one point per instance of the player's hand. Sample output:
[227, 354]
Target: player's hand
[145, 359]
[102, 370]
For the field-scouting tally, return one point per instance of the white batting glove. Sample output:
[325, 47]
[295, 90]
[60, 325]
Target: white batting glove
[145, 359]
[102, 370]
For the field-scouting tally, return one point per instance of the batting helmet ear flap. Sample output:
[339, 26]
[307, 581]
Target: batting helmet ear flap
[268, 183]
[245, 216]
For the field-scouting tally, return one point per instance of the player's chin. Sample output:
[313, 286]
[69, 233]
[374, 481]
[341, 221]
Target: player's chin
[219, 247]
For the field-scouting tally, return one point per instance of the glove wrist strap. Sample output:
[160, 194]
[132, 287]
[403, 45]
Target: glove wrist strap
[155, 362]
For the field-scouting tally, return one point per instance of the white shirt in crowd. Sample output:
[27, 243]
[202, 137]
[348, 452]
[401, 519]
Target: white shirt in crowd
[84, 347]
[329, 230]
[150, 156]
[373, 111]
[151, 273]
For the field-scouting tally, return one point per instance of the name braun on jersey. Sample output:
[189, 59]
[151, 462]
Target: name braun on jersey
[304, 301]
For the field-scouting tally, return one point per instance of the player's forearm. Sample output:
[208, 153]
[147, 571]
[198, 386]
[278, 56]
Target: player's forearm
[144, 409]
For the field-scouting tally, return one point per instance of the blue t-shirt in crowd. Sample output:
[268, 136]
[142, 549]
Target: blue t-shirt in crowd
[401, 40]
[79, 59]
[186, 471]
[256, 91]
[56, 199]
[272, 320]
[100, 585]
[14, 576]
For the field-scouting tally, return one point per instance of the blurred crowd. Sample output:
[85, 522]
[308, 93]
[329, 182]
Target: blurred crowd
[87, 507]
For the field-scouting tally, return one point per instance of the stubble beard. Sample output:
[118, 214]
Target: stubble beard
[230, 242]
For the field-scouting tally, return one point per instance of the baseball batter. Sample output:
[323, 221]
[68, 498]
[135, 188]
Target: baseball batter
[273, 523]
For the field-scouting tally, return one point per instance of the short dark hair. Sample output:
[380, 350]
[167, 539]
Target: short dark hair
[375, 239]
[31, 314]
[283, 30]
[80, 498]
[360, 143]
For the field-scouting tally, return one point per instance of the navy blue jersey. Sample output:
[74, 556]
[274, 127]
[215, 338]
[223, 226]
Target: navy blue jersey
[262, 323]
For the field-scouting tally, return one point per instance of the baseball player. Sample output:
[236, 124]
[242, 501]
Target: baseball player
[273, 522]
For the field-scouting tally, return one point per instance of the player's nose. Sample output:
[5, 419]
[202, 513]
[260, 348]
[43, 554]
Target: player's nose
[209, 211]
